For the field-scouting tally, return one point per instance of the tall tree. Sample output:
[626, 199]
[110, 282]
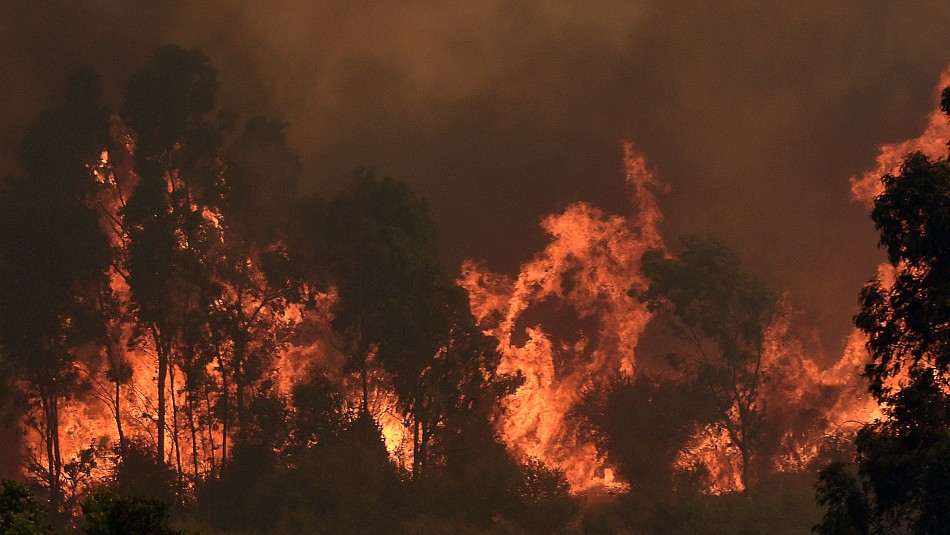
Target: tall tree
[400, 313]
[175, 152]
[54, 259]
[443, 368]
[617, 416]
[903, 473]
[371, 242]
[723, 312]
[251, 264]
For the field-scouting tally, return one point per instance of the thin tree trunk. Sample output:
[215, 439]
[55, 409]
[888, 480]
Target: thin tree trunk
[118, 419]
[194, 434]
[364, 378]
[239, 352]
[175, 440]
[423, 447]
[54, 460]
[50, 457]
[415, 447]
[225, 416]
[210, 432]
[162, 373]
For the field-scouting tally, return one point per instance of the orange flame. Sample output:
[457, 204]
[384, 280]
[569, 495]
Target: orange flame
[932, 142]
[581, 277]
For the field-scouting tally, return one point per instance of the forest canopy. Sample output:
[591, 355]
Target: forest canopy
[191, 342]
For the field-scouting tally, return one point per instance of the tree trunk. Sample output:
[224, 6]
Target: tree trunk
[194, 434]
[416, 453]
[118, 419]
[175, 440]
[364, 379]
[210, 432]
[53, 459]
[225, 416]
[160, 350]
[241, 417]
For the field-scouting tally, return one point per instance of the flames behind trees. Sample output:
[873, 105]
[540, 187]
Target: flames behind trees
[170, 305]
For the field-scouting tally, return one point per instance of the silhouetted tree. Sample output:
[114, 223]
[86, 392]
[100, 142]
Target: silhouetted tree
[320, 411]
[372, 243]
[401, 313]
[139, 472]
[54, 259]
[547, 506]
[262, 177]
[713, 304]
[903, 476]
[175, 153]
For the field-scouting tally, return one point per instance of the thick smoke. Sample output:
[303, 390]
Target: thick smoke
[755, 113]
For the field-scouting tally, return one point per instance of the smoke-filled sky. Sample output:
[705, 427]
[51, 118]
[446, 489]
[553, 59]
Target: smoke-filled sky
[755, 113]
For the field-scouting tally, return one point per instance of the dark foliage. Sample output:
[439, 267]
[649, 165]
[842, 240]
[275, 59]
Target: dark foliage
[19, 512]
[902, 484]
[619, 415]
[108, 513]
[723, 312]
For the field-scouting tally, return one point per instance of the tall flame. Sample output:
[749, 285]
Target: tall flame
[566, 322]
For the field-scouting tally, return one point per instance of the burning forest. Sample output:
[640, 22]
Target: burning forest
[193, 341]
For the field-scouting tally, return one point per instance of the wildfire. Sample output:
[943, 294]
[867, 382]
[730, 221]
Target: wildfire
[580, 281]
[565, 322]
[932, 142]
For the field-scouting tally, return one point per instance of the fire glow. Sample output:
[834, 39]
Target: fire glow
[590, 263]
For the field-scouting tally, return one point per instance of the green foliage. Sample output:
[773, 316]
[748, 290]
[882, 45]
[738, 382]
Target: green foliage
[320, 411]
[399, 312]
[139, 472]
[345, 485]
[376, 245]
[903, 479]
[847, 511]
[166, 104]
[262, 176]
[477, 484]
[19, 512]
[54, 254]
[53, 263]
[108, 513]
[708, 293]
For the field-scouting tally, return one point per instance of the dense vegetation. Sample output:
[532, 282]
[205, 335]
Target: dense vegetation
[163, 230]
